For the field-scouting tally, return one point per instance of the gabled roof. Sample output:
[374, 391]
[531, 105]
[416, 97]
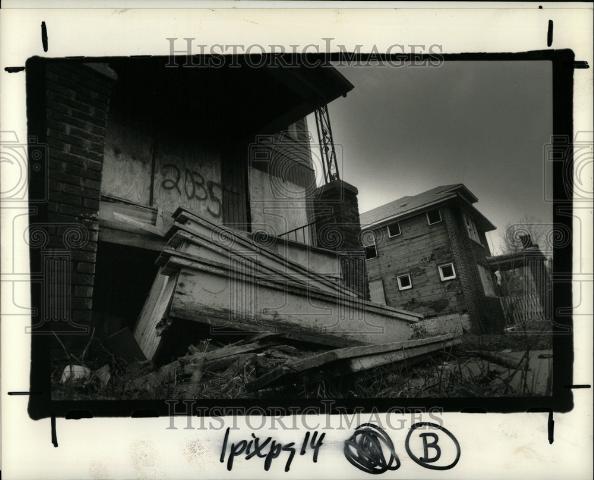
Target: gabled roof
[405, 206]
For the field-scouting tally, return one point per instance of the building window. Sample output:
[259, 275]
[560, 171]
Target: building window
[433, 217]
[446, 272]
[404, 282]
[472, 230]
[368, 241]
[394, 229]
[370, 252]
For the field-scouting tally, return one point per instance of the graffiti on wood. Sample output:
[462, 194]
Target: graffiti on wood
[192, 185]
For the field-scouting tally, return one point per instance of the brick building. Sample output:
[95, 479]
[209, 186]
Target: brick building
[428, 253]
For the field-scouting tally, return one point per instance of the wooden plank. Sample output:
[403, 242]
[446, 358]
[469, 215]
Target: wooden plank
[216, 233]
[153, 311]
[160, 306]
[144, 240]
[223, 352]
[359, 358]
[125, 223]
[221, 321]
[377, 360]
[197, 247]
[309, 300]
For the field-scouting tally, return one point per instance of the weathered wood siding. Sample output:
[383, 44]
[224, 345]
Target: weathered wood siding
[188, 174]
[165, 171]
[156, 157]
[281, 180]
[276, 205]
[129, 142]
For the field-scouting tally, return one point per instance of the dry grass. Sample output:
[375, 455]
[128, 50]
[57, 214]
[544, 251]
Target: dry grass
[449, 373]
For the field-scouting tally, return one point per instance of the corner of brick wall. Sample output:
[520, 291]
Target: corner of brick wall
[484, 312]
[77, 103]
[463, 261]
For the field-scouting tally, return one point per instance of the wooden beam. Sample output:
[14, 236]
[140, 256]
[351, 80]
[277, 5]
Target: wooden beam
[356, 359]
[196, 247]
[241, 245]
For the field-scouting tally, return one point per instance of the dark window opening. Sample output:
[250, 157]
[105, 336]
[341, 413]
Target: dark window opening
[370, 252]
[433, 217]
[447, 271]
[394, 229]
[404, 282]
[123, 279]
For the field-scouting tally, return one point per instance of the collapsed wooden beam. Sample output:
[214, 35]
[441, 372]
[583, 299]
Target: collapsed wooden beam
[201, 229]
[233, 284]
[214, 293]
[355, 359]
[196, 246]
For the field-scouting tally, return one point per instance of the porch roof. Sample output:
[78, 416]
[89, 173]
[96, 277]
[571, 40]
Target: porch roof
[229, 100]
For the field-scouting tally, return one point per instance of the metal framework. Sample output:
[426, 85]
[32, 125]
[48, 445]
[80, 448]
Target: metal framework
[327, 151]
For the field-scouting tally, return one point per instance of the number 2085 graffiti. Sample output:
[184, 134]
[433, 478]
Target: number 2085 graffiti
[193, 186]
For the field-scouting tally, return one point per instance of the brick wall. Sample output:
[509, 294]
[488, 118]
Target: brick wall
[417, 251]
[336, 213]
[484, 312]
[76, 99]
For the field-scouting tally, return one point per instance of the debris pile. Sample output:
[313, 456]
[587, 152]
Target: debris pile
[208, 371]
[213, 276]
[266, 365]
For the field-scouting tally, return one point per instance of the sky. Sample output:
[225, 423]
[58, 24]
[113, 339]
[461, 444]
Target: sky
[404, 130]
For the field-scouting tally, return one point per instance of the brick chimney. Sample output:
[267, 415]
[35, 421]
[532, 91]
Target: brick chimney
[336, 213]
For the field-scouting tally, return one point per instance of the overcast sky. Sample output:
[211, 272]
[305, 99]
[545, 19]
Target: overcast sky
[402, 131]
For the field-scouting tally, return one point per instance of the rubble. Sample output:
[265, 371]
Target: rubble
[266, 365]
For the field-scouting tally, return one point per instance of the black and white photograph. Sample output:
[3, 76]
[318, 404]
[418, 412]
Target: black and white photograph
[254, 230]
[283, 223]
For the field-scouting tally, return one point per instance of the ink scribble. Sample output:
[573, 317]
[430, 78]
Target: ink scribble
[44, 39]
[366, 449]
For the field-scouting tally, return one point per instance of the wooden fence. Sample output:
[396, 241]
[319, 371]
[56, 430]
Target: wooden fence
[523, 310]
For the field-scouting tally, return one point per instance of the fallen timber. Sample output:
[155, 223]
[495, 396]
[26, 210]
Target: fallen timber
[355, 359]
[214, 276]
[198, 247]
[235, 244]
